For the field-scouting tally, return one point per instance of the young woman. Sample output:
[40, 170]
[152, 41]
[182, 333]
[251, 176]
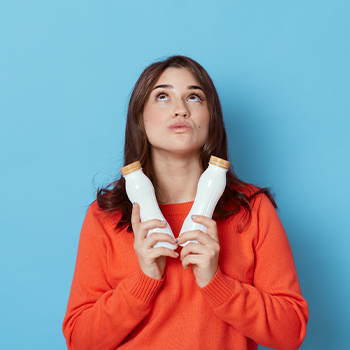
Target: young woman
[236, 289]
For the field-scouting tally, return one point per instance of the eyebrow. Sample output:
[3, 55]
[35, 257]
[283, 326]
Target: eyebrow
[190, 87]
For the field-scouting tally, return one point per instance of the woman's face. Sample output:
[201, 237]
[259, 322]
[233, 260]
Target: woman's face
[176, 115]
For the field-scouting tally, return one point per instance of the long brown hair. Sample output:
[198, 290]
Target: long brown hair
[237, 196]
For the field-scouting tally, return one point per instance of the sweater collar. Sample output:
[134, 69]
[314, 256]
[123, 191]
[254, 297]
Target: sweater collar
[176, 209]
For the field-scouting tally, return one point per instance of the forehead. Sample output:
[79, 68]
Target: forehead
[177, 76]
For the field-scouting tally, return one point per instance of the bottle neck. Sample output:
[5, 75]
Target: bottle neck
[217, 168]
[136, 172]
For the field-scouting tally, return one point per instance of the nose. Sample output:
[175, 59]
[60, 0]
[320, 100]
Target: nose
[181, 110]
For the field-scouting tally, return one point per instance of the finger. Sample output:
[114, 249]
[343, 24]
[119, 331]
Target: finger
[209, 223]
[191, 259]
[196, 235]
[156, 237]
[144, 227]
[135, 216]
[149, 224]
[162, 251]
[192, 248]
[152, 224]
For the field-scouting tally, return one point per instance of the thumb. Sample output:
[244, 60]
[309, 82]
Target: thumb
[135, 216]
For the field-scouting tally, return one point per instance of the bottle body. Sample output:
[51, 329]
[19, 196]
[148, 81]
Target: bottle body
[210, 188]
[139, 189]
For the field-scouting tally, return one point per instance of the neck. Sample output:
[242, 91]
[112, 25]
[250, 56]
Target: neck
[176, 178]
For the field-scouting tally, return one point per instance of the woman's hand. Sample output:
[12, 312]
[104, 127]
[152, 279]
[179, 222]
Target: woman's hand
[152, 260]
[203, 257]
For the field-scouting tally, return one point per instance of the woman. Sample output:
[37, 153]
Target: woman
[236, 289]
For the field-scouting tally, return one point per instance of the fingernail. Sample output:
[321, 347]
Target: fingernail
[194, 217]
[164, 222]
[133, 203]
[176, 241]
[177, 254]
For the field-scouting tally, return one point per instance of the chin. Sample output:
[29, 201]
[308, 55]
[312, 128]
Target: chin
[186, 151]
[178, 148]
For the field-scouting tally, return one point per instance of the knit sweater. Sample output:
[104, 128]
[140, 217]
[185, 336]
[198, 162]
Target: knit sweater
[254, 297]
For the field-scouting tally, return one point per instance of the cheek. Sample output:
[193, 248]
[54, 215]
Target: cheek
[147, 127]
[148, 116]
[204, 123]
[152, 116]
[203, 131]
[151, 128]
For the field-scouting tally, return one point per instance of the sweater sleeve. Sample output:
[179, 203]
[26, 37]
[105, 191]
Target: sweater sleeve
[271, 311]
[99, 317]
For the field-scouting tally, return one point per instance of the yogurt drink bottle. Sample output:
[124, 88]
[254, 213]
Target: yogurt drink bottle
[139, 189]
[210, 187]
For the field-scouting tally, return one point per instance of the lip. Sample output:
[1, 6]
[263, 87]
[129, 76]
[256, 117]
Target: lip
[179, 126]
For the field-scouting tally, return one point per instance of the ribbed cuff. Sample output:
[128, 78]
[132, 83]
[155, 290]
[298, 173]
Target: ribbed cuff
[217, 292]
[146, 288]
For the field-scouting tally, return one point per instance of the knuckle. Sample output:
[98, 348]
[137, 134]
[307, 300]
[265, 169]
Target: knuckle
[217, 247]
[162, 251]
[153, 237]
[212, 254]
[196, 234]
[190, 246]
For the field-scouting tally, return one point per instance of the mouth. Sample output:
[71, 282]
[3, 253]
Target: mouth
[179, 127]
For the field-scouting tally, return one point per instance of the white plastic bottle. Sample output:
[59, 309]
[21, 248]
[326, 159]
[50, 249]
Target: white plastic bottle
[210, 187]
[139, 189]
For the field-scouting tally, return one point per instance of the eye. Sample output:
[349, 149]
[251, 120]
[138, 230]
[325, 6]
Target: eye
[195, 98]
[162, 97]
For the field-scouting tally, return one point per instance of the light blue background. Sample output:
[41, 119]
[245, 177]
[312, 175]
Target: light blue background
[282, 69]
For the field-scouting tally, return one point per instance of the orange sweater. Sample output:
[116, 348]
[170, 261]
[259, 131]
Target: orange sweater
[254, 298]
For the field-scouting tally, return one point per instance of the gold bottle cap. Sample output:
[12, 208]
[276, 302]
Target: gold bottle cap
[222, 163]
[131, 168]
